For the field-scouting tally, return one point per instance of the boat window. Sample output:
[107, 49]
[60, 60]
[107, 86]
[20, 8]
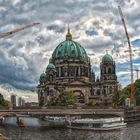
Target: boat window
[95, 125]
[79, 124]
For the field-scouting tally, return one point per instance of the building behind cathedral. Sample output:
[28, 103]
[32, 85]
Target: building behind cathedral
[69, 69]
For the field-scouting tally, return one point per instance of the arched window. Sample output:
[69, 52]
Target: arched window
[77, 71]
[72, 71]
[104, 91]
[98, 93]
[51, 78]
[62, 72]
[65, 71]
[109, 70]
[82, 71]
[57, 72]
[104, 70]
[80, 97]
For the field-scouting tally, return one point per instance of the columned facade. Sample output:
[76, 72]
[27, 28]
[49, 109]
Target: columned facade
[69, 69]
[105, 88]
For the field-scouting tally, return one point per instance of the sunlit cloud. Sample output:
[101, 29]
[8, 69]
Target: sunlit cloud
[96, 25]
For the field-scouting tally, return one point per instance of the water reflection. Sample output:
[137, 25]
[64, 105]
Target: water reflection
[28, 121]
[61, 134]
[132, 132]
[31, 122]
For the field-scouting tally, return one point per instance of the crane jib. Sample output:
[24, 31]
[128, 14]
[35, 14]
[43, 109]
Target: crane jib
[18, 29]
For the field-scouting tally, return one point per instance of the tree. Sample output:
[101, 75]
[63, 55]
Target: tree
[125, 93]
[137, 91]
[6, 103]
[63, 99]
[3, 102]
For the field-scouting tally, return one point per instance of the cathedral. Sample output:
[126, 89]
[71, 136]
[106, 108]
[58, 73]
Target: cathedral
[69, 69]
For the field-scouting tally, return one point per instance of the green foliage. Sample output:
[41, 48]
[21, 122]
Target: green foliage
[6, 103]
[137, 91]
[3, 102]
[137, 83]
[63, 99]
[125, 93]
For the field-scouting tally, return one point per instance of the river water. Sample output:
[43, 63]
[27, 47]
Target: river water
[132, 132]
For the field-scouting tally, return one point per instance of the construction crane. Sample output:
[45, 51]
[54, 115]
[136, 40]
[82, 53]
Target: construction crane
[17, 30]
[137, 73]
[136, 70]
[130, 56]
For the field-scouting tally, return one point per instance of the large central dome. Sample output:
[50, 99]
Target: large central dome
[69, 49]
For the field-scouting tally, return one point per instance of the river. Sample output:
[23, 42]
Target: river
[132, 132]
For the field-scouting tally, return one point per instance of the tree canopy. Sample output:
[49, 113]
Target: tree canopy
[125, 93]
[3, 102]
[63, 99]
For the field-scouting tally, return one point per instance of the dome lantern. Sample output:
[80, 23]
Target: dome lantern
[68, 35]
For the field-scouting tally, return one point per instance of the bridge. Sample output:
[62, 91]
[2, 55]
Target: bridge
[62, 112]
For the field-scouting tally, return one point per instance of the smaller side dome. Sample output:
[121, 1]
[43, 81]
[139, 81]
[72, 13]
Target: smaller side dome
[107, 58]
[43, 78]
[50, 66]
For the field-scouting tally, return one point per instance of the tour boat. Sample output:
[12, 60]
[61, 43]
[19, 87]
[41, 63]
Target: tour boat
[55, 121]
[22, 115]
[105, 124]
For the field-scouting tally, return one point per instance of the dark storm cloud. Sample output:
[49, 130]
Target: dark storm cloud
[24, 56]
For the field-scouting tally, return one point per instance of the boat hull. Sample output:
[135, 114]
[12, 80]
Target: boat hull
[99, 129]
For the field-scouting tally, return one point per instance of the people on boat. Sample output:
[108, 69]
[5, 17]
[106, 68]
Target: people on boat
[28, 113]
[1, 119]
[20, 122]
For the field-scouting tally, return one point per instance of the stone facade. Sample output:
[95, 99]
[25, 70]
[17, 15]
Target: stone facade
[105, 88]
[69, 69]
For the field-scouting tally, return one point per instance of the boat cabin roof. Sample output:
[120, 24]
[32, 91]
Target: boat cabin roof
[88, 120]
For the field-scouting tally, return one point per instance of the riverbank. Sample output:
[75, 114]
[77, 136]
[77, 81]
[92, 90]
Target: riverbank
[2, 137]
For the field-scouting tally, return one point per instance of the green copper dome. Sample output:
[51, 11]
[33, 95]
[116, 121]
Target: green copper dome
[43, 78]
[69, 49]
[107, 58]
[50, 66]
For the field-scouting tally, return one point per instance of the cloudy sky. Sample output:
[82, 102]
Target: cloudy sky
[95, 24]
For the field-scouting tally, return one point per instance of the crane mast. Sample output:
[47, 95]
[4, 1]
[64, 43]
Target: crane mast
[17, 30]
[130, 56]
[137, 71]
